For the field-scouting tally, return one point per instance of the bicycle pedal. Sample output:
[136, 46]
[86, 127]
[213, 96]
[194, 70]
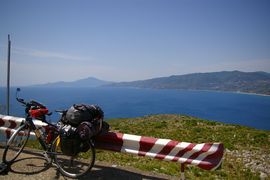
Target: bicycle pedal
[46, 156]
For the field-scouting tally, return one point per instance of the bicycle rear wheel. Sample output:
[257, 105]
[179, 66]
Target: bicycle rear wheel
[16, 144]
[73, 166]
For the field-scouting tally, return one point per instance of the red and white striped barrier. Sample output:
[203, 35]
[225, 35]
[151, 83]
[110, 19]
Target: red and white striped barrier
[8, 124]
[207, 156]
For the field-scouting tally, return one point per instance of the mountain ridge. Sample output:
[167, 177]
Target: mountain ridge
[233, 81]
[86, 82]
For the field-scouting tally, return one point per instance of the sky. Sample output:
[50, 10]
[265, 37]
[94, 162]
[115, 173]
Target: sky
[126, 40]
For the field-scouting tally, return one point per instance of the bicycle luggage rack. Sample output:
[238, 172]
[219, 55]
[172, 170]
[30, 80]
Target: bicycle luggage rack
[207, 156]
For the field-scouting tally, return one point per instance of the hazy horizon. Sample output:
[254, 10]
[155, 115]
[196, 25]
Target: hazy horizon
[131, 40]
[83, 78]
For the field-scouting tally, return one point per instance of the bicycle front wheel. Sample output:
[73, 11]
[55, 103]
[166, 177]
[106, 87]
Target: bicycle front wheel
[73, 166]
[16, 144]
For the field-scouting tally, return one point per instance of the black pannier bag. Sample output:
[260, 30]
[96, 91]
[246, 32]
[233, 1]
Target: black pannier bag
[87, 130]
[79, 113]
[88, 118]
[70, 140]
[84, 122]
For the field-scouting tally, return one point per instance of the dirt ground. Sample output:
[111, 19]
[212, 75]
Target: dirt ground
[31, 165]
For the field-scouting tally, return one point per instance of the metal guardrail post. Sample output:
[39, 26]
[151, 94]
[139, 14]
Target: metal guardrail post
[182, 171]
[8, 75]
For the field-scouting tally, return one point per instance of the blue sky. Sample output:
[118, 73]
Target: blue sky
[124, 40]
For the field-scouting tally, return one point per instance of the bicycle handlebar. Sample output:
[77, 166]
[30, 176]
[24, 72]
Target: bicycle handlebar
[21, 101]
[32, 103]
[33, 106]
[37, 104]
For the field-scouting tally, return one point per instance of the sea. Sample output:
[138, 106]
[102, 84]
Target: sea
[232, 108]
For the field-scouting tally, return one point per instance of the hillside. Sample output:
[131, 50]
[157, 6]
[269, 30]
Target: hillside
[235, 81]
[87, 82]
[246, 156]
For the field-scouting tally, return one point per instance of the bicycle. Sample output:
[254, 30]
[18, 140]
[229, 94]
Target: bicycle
[73, 166]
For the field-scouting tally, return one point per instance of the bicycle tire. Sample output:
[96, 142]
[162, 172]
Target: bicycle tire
[16, 144]
[73, 166]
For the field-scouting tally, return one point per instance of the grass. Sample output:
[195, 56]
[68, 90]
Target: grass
[189, 129]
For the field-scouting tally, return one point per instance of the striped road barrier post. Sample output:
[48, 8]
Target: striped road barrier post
[207, 156]
[8, 124]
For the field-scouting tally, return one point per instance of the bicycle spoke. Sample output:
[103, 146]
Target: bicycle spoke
[74, 166]
[16, 144]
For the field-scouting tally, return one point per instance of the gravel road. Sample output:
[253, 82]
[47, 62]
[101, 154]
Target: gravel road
[30, 165]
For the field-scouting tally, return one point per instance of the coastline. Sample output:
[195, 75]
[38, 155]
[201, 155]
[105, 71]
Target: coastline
[219, 91]
[247, 93]
[209, 90]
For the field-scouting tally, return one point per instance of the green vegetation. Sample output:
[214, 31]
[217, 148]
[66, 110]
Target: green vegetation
[247, 149]
[238, 140]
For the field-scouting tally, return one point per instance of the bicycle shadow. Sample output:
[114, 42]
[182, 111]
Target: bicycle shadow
[33, 164]
[29, 165]
[114, 173]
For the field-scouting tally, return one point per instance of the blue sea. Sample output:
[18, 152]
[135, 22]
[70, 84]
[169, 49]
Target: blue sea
[232, 108]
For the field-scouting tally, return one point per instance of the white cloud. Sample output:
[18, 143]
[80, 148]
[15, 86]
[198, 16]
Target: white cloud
[46, 54]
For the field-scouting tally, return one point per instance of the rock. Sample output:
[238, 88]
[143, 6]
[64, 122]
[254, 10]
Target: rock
[263, 176]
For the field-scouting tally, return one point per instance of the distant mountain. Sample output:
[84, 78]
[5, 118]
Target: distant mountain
[236, 81]
[87, 82]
